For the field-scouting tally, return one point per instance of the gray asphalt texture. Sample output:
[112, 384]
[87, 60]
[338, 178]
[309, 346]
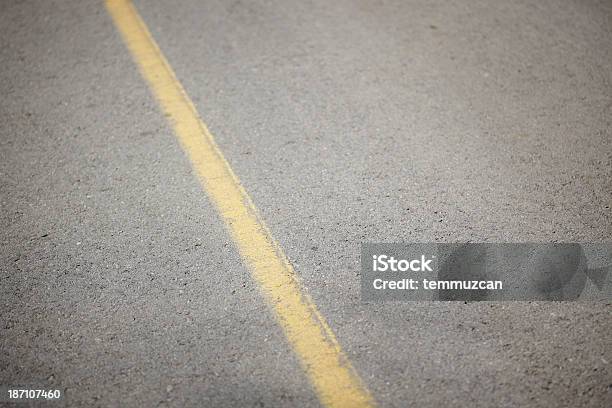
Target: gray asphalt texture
[347, 122]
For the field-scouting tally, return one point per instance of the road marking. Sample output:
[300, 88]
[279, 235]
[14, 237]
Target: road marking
[329, 370]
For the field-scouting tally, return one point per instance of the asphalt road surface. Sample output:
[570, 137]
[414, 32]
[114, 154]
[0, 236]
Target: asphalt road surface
[346, 122]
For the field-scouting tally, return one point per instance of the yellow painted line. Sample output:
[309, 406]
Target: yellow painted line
[334, 379]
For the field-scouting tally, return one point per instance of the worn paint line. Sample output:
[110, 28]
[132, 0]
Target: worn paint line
[330, 372]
